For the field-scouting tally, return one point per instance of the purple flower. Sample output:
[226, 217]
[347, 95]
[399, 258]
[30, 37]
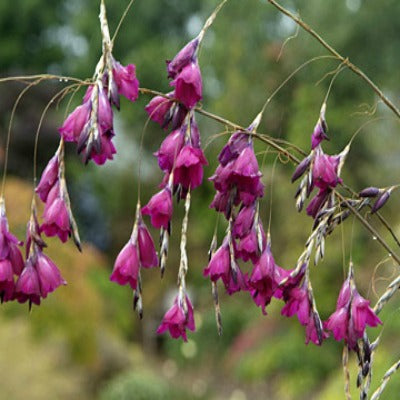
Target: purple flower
[244, 221]
[183, 58]
[6, 280]
[188, 85]
[325, 170]
[75, 122]
[56, 219]
[188, 170]
[237, 142]
[147, 253]
[160, 208]
[125, 78]
[107, 149]
[126, 267]
[9, 250]
[169, 149]
[27, 287]
[178, 318]
[297, 302]
[317, 202]
[220, 267]
[264, 279]
[320, 130]
[49, 275]
[48, 179]
[248, 247]
[351, 316]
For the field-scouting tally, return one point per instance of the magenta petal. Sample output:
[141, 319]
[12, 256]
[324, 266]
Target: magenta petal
[125, 78]
[49, 275]
[147, 252]
[126, 267]
[188, 85]
[48, 179]
[160, 209]
[73, 125]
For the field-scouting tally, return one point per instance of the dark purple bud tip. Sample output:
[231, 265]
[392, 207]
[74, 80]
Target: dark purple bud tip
[301, 168]
[381, 201]
[369, 192]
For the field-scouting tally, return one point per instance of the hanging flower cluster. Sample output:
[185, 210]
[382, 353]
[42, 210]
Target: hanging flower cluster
[37, 276]
[90, 125]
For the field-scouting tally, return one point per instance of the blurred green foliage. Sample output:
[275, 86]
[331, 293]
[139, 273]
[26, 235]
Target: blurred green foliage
[84, 341]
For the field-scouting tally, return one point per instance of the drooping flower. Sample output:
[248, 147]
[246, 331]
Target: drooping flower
[325, 170]
[27, 287]
[126, 267]
[166, 112]
[251, 245]
[48, 178]
[220, 267]
[6, 280]
[49, 275]
[126, 81]
[320, 131]
[188, 85]
[147, 252]
[178, 318]
[188, 171]
[73, 126]
[244, 221]
[160, 208]
[170, 148]
[10, 255]
[352, 315]
[264, 279]
[186, 55]
[56, 219]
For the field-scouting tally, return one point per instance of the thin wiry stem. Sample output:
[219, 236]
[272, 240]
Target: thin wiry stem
[385, 380]
[51, 101]
[334, 52]
[9, 131]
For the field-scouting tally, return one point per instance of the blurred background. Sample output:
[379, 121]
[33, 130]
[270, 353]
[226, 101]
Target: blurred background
[84, 341]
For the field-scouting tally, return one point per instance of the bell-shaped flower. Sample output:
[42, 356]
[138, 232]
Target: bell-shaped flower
[107, 149]
[27, 287]
[126, 266]
[297, 302]
[185, 56]
[325, 170]
[264, 279]
[160, 208]
[147, 252]
[220, 267]
[125, 78]
[75, 122]
[6, 280]
[317, 202]
[244, 221]
[351, 316]
[188, 85]
[178, 318]
[188, 170]
[48, 178]
[49, 275]
[237, 142]
[56, 219]
[169, 149]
